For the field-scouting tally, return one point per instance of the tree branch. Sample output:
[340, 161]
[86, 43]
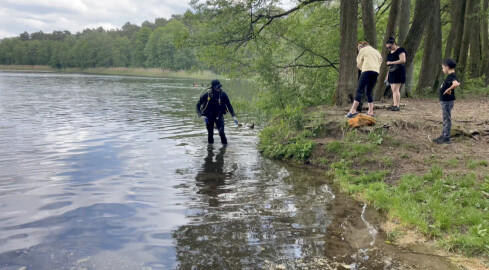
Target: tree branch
[332, 64]
[304, 66]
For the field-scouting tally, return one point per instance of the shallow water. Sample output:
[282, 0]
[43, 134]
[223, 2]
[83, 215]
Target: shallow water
[106, 172]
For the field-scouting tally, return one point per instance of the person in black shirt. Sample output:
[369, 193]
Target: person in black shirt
[397, 72]
[447, 98]
[211, 107]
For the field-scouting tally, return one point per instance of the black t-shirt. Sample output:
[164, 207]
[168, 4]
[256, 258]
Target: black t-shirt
[447, 84]
[395, 55]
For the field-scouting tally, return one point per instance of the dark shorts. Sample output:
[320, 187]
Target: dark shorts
[397, 76]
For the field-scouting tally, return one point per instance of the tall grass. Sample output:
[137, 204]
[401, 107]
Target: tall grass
[119, 71]
[27, 68]
[450, 208]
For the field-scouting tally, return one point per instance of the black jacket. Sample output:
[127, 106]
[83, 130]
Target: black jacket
[214, 104]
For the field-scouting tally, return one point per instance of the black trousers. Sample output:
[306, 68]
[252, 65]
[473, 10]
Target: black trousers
[367, 82]
[219, 122]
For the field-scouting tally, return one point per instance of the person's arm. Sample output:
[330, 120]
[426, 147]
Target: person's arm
[455, 84]
[229, 106]
[360, 60]
[199, 104]
[402, 60]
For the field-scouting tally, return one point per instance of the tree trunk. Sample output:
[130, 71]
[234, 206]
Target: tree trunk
[421, 17]
[368, 20]
[347, 78]
[390, 32]
[474, 69]
[457, 9]
[430, 67]
[404, 18]
[409, 80]
[485, 40]
[464, 48]
[485, 28]
[460, 30]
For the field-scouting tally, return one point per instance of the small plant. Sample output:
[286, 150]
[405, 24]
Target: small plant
[453, 162]
[472, 164]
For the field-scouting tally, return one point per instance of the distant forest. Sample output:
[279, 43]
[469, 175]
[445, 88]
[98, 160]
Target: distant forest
[162, 44]
[300, 56]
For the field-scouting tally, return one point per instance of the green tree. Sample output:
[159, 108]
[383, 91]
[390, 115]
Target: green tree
[121, 52]
[140, 39]
[165, 44]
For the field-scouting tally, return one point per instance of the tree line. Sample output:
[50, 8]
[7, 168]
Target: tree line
[301, 56]
[162, 44]
[306, 55]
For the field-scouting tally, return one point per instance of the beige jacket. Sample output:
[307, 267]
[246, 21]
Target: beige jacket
[369, 59]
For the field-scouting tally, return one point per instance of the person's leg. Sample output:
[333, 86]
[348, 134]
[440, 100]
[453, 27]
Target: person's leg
[448, 128]
[396, 95]
[362, 83]
[399, 88]
[220, 128]
[370, 108]
[354, 107]
[210, 130]
[440, 139]
[446, 119]
[372, 80]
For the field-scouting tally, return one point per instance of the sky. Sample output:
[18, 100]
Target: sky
[17, 16]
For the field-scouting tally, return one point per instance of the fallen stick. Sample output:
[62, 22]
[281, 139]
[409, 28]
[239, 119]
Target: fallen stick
[381, 106]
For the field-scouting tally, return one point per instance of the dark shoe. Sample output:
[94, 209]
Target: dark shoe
[351, 115]
[438, 140]
[389, 108]
[395, 109]
[446, 141]
[443, 141]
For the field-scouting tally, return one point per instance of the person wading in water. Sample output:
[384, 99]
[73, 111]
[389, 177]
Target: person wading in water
[212, 107]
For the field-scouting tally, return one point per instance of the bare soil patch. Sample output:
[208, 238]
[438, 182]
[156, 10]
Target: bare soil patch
[413, 129]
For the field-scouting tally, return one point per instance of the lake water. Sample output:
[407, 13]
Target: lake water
[107, 172]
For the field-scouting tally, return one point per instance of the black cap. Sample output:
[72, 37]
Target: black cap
[215, 84]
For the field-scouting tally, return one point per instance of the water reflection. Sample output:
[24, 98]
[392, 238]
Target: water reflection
[212, 177]
[113, 173]
[253, 217]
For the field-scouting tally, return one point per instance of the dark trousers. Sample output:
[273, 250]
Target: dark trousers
[446, 108]
[367, 81]
[219, 122]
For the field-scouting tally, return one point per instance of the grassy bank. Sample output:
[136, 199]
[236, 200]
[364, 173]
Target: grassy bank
[441, 192]
[140, 72]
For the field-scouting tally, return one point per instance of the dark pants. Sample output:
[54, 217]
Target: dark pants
[220, 127]
[446, 108]
[367, 80]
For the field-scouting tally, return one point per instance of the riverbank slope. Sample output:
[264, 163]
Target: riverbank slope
[433, 195]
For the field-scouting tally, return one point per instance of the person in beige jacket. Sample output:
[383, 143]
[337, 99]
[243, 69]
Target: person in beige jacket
[368, 61]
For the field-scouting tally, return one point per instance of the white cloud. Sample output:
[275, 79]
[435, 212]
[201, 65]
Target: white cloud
[17, 16]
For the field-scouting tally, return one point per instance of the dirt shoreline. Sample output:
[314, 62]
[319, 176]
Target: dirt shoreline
[413, 129]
